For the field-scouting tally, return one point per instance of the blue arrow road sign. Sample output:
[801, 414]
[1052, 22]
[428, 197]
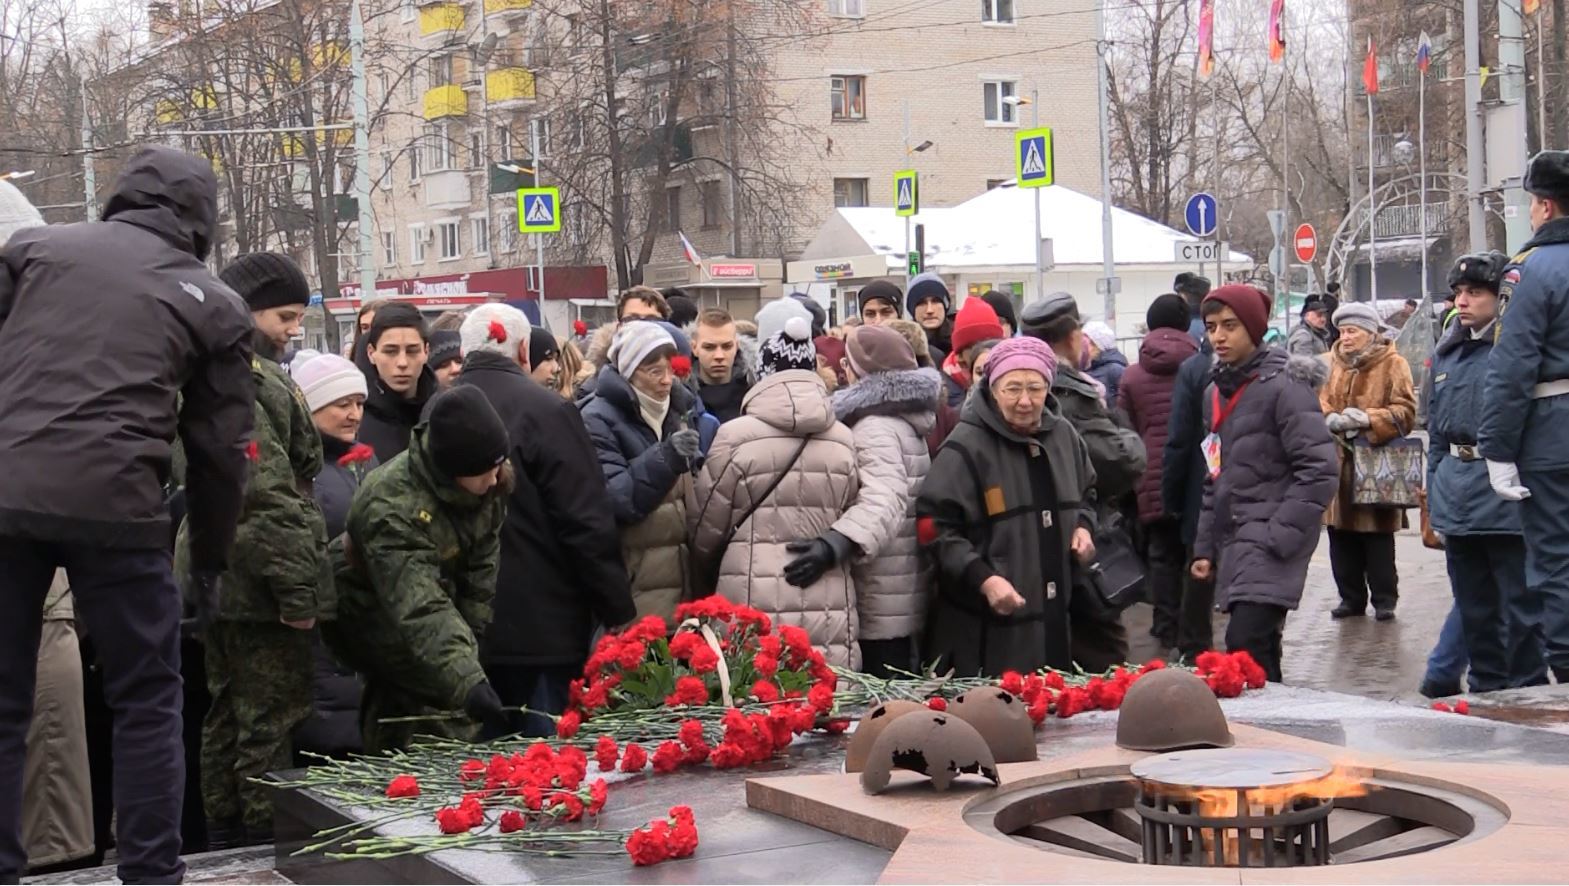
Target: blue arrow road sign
[1203, 214]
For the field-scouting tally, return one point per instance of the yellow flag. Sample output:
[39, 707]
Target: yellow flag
[1485, 72]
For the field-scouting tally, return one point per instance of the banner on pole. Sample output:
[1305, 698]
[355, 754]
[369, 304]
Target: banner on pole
[1370, 69]
[1206, 37]
[1424, 53]
[1277, 30]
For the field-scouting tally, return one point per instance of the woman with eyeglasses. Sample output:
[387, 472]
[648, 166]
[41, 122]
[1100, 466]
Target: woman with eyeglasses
[644, 427]
[1007, 503]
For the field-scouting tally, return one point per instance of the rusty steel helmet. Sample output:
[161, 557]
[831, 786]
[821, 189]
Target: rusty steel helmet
[1000, 718]
[870, 727]
[1169, 710]
[935, 744]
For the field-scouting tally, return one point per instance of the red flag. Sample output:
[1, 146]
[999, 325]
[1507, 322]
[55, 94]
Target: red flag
[1206, 37]
[1370, 69]
[1532, 7]
[1277, 30]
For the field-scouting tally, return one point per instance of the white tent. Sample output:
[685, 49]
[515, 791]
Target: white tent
[984, 243]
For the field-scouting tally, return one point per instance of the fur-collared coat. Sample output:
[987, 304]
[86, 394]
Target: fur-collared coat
[1378, 382]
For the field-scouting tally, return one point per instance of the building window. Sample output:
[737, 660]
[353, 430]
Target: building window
[577, 219]
[998, 12]
[503, 143]
[847, 8]
[385, 88]
[850, 192]
[414, 156]
[847, 97]
[406, 10]
[417, 244]
[508, 239]
[539, 133]
[656, 110]
[438, 148]
[480, 228]
[386, 164]
[673, 209]
[450, 247]
[389, 248]
[707, 90]
[410, 85]
[439, 70]
[709, 191]
[995, 95]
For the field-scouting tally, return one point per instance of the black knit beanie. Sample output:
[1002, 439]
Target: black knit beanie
[446, 345]
[267, 280]
[1003, 305]
[1169, 311]
[541, 345]
[883, 291]
[465, 435]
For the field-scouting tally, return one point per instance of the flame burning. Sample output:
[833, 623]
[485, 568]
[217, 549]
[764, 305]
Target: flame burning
[1343, 781]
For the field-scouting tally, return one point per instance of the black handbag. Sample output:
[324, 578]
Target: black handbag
[1117, 575]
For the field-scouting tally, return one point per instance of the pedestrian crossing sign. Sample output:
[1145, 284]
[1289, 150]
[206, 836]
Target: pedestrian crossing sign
[539, 210]
[906, 193]
[1032, 158]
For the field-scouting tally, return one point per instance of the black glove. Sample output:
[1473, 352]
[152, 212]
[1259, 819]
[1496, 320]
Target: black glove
[205, 591]
[816, 557]
[484, 705]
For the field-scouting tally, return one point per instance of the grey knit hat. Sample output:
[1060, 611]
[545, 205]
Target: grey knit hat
[1359, 314]
[16, 212]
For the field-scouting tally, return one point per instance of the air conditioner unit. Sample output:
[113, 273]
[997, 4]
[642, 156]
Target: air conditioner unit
[473, 85]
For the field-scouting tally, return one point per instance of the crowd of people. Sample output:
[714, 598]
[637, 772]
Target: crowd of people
[425, 535]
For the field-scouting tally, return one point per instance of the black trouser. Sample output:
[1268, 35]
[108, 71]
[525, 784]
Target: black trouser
[1257, 628]
[1166, 561]
[128, 603]
[1196, 626]
[1487, 574]
[1363, 562]
[542, 688]
[877, 656]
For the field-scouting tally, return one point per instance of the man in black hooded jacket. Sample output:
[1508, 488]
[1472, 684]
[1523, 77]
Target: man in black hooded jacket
[114, 338]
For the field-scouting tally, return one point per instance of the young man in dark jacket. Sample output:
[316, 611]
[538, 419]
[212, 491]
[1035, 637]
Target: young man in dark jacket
[1501, 623]
[561, 568]
[929, 303]
[1182, 494]
[162, 348]
[1272, 470]
[394, 356]
[1099, 639]
[1146, 397]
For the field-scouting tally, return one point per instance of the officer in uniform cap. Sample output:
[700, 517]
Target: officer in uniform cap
[1526, 458]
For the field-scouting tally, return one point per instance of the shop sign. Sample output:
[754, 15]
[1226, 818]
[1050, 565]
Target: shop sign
[730, 271]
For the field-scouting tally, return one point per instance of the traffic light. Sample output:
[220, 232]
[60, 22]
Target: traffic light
[914, 264]
[916, 260]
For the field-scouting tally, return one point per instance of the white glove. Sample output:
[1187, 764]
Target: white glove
[1356, 418]
[1337, 422]
[1505, 478]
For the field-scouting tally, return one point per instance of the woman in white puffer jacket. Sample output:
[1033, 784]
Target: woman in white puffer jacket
[890, 407]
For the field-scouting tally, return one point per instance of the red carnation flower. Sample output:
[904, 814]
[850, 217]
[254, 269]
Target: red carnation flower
[1462, 707]
[681, 366]
[765, 665]
[683, 839]
[925, 530]
[691, 732]
[452, 820]
[834, 727]
[403, 786]
[579, 327]
[1037, 710]
[252, 451]
[606, 753]
[937, 703]
[512, 821]
[704, 660]
[598, 793]
[1153, 664]
[472, 770]
[1054, 681]
[357, 453]
[689, 691]
[1252, 674]
[668, 757]
[1441, 706]
[498, 333]
[696, 753]
[569, 724]
[821, 697]
[631, 653]
[634, 758]
[649, 845]
[598, 695]
[727, 756]
[765, 691]
[1013, 681]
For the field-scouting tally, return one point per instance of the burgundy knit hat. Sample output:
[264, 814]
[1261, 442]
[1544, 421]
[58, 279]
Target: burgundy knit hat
[1250, 304]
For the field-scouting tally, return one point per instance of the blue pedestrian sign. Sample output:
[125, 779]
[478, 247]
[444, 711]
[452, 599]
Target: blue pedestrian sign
[1203, 214]
[906, 193]
[539, 210]
[1033, 165]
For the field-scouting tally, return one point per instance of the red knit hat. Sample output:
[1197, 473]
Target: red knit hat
[975, 323]
[1250, 304]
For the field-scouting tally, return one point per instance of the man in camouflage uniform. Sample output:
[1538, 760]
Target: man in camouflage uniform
[416, 572]
[279, 582]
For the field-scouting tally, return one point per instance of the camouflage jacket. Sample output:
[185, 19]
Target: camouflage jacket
[279, 567]
[416, 573]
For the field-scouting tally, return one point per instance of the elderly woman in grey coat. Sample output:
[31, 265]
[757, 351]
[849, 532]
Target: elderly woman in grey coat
[1006, 508]
[774, 485]
[890, 407]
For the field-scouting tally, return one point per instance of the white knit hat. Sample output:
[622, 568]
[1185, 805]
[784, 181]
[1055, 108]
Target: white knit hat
[771, 319]
[327, 378]
[634, 341]
[16, 213]
[1101, 334]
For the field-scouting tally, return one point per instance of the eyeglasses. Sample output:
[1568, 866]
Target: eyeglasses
[655, 372]
[1016, 391]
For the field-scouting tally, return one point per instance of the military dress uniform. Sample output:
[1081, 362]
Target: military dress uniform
[1530, 364]
[258, 668]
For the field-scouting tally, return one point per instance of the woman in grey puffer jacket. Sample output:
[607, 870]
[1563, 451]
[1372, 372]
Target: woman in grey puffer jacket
[890, 407]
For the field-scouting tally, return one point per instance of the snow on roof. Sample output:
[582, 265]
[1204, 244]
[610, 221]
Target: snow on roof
[995, 229]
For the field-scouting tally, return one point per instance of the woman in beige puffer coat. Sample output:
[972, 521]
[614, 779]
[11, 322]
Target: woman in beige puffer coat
[787, 432]
[890, 407]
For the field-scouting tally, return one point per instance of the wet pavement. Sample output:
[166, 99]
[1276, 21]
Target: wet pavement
[1384, 660]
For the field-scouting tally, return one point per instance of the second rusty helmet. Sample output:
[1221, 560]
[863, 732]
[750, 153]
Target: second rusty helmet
[1171, 709]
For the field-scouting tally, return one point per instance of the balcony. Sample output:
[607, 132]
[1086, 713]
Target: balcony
[448, 189]
[292, 145]
[509, 87]
[1406, 220]
[446, 101]
[440, 23]
[503, 14]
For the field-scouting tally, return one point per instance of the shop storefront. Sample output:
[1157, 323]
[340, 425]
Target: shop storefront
[838, 280]
[739, 285]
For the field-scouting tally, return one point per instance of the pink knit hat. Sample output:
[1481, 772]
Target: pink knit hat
[327, 378]
[1024, 352]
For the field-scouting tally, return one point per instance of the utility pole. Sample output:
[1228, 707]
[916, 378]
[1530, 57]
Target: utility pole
[1035, 198]
[1476, 176]
[733, 150]
[906, 104]
[367, 219]
[1512, 91]
[539, 239]
[1108, 261]
[89, 180]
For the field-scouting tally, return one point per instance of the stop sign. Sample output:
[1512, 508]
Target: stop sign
[1305, 240]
